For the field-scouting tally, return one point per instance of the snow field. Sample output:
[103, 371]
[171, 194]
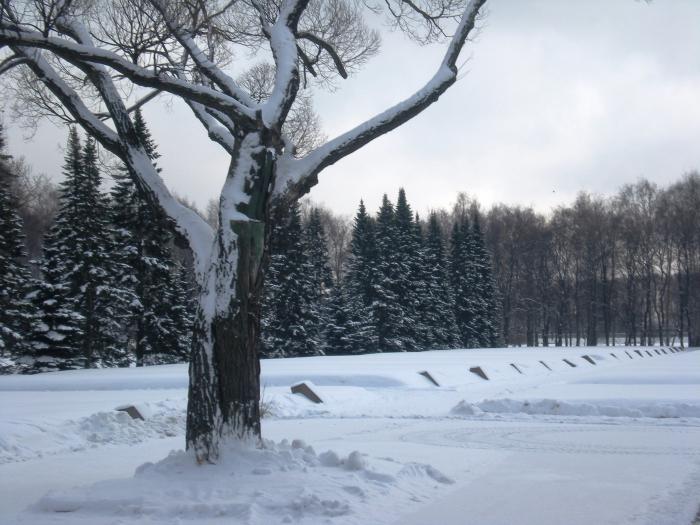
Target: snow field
[391, 442]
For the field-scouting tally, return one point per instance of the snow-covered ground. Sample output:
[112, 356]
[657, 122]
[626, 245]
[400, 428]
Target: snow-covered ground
[616, 440]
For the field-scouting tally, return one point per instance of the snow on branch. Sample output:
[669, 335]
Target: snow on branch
[284, 49]
[136, 105]
[189, 224]
[300, 175]
[215, 130]
[203, 63]
[78, 54]
[69, 98]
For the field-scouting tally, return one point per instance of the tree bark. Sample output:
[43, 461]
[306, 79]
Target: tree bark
[224, 391]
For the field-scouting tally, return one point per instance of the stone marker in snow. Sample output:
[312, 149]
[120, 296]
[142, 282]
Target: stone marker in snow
[306, 391]
[134, 412]
[478, 371]
[430, 378]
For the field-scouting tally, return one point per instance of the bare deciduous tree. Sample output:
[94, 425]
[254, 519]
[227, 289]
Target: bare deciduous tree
[97, 60]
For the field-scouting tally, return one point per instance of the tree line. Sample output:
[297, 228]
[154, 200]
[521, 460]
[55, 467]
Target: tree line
[402, 286]
[107, 290]
[95, 279]
[619, 270]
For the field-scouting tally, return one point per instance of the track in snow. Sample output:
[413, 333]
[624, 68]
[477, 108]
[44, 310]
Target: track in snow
[568, 438]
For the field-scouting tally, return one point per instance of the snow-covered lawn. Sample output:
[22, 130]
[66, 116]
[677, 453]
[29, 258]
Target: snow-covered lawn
[540, 442]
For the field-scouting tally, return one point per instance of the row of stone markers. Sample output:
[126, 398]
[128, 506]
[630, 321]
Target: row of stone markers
[306, 389]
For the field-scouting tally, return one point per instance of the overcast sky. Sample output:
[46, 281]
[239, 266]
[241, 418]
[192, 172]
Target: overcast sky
[558, 96]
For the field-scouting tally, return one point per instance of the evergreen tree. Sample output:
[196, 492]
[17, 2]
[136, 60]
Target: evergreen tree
[159, 321]
[485, 322]
[469, 267]
[390, 323]
[290, 321]
[319, 274]
[103, 300]
[58, 333]
[409, 281]
[16, 312]
[462, 280]
[80, 300]
[363, 257]
[351, 327]
[437, 304]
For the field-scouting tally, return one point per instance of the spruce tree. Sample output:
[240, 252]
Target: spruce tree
[466, 283]
[410, 280]
[319, 275]
[351, 327]
[58, 333]
[486, 322]
[289, 320]
[363, 257]
[100, 298]
[80, 298]
[16, 312]
[159, 322]
[390, 323]
[437, 305]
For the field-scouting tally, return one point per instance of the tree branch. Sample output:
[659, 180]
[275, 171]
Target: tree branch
[128, 148]
[10, 62]
[206, 66]
[284, 50]
[215, 130]
[78, 54]
[328, 49]
[300, 175]
[136, 105]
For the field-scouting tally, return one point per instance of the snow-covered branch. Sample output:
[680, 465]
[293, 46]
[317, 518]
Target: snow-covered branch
[10, 62]
[193, 228]
[215, 130]
[298, 176]
[78, 54]
[282, 36]
[203, 63]
[138, 104]
[70, 99]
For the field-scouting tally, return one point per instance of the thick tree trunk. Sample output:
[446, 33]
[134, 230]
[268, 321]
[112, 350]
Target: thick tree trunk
[224, 392]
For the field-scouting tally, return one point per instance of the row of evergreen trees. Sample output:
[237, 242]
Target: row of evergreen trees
[110, 292]
[405, 287]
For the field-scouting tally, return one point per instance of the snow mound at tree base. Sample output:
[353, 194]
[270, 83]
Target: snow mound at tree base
[607, 408]
[276, 483]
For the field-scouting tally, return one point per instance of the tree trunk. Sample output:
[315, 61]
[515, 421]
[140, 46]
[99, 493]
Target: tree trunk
[224, 392]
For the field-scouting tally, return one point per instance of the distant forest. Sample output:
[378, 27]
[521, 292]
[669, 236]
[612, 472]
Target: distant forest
[618, 270]
[93, 277]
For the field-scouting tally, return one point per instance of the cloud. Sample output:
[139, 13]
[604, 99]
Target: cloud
[557, 97]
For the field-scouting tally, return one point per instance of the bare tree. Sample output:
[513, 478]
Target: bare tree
[92, 57]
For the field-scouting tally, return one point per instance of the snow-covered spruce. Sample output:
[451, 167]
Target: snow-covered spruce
[16, 312]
